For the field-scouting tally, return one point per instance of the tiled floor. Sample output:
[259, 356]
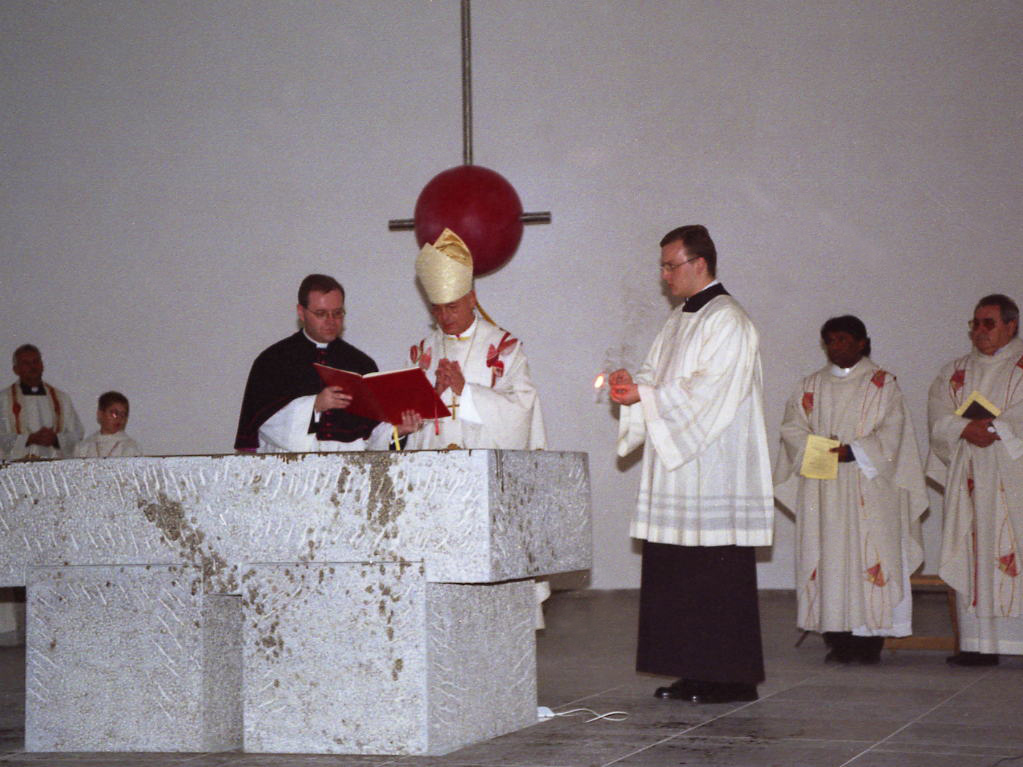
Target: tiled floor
[911, 711]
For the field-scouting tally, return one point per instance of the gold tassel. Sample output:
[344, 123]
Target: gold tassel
[483, 312]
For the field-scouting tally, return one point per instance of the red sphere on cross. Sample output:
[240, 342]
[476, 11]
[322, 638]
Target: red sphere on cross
[477, 204]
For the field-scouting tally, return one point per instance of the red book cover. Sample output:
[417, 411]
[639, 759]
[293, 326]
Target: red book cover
[384, 396]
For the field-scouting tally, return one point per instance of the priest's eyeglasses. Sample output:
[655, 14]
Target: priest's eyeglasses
[322, 314]
[988, 323]
[669, 268]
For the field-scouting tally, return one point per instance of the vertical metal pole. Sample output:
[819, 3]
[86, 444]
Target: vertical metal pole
[466, 85]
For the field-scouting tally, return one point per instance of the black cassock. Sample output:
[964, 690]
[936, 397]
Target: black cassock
[284, 372]
[698, 614]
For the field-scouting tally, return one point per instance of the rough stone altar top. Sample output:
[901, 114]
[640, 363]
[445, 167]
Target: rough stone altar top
[470, 516]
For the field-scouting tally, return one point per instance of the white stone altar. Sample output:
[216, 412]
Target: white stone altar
[374, 603]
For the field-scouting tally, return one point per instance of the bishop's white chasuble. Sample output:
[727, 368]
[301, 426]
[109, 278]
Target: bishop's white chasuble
[498, 408]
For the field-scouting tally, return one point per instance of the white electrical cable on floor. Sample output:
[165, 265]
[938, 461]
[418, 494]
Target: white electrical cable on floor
[543, 713]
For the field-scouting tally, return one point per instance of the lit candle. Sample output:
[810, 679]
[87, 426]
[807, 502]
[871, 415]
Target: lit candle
[600, 386]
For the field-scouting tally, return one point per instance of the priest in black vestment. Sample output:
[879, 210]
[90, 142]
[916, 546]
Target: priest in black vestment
[286, 407]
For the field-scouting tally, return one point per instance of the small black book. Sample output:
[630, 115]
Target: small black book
[977, 411]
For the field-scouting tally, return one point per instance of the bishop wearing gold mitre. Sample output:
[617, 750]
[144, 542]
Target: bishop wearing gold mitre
[478, 369]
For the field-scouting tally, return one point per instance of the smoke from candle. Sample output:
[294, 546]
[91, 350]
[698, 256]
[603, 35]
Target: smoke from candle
[644, 314]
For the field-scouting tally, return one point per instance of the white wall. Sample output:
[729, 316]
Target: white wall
[169, 171]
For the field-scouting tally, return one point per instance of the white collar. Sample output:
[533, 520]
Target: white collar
[319, 345]
[1001, 349]
[838, 372]
[465, 333]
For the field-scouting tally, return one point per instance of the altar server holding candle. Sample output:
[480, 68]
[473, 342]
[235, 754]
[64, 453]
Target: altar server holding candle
[706, 500]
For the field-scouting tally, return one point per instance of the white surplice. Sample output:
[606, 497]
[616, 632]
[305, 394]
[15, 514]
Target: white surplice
[287, 431]
[981, 557]
[100, 445]
[858, 535]
[706, 478]
[498, 407]
[21, 415]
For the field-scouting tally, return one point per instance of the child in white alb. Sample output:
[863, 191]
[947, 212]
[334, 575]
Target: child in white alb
[110, 441]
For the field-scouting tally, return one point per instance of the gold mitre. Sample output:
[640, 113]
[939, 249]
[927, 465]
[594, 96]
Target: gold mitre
[445, 268]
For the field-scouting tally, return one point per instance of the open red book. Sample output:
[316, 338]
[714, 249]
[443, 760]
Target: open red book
[385, 396]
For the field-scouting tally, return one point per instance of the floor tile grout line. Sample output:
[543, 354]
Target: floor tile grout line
[916, 719]
[822, 672]
[587, 697]
[787, 739]
[684, 732]
[801, 683]
[697, 726]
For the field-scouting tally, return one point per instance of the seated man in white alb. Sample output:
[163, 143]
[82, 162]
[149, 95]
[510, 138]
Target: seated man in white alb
[479, 369]
[110, 441]
[286, 408]
[37, 420]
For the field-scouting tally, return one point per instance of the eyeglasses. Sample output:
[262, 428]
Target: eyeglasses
[669, 268]
[988, 323]
[322, 314]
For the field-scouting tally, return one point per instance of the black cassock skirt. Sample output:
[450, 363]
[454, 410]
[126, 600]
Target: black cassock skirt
[698, 613]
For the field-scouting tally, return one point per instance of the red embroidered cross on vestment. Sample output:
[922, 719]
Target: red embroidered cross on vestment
[494, 353]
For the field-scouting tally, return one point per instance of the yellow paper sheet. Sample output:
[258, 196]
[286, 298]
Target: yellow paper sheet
[818, 460]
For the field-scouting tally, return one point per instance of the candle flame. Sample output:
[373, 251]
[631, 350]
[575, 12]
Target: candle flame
[598, 381]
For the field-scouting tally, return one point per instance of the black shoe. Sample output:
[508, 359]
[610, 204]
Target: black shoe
[836, 656]
[709, 692]
[840, 649]
[681, 689]
[725, 692]
[970, 658]
[867, 650]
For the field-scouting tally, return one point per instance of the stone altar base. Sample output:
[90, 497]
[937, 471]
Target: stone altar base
[370, 658]
[137, 570]
[131, 658]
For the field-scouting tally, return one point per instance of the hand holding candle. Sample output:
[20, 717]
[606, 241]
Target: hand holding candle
[623, 390]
